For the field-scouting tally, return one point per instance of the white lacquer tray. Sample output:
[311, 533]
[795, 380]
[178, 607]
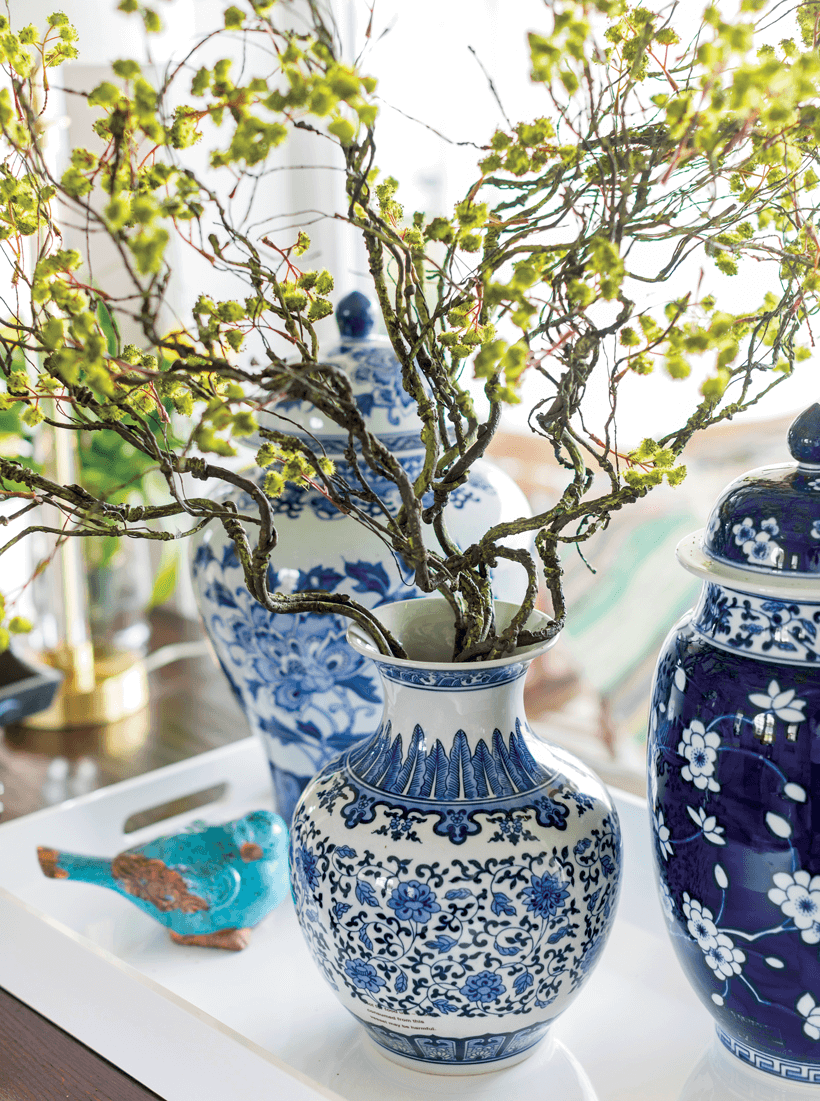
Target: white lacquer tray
[215, 1026]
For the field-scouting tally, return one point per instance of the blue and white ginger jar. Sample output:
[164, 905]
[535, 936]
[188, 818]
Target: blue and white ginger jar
[455, 877]
[302, 688]
[733, 765]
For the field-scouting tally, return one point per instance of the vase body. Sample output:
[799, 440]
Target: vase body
[303, 690]
[733, 774]
[455, 877]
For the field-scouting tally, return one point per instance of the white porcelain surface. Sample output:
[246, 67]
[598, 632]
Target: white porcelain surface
[455, 877]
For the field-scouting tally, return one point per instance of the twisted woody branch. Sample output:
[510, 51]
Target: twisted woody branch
[654, 163]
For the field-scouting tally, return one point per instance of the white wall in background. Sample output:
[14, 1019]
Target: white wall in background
[425, 69]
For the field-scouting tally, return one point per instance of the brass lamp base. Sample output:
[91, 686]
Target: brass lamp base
[119, 688]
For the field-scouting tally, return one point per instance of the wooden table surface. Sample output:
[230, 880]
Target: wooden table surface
[192, 710]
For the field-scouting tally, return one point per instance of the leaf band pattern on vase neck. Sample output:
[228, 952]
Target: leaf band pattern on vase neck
[460, 787]
[505, 767]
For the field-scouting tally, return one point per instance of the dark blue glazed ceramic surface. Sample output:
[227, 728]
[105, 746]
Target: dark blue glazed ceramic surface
[734, 759]
[768, 520]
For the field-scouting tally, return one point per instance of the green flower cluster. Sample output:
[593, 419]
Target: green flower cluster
[294, 466]
[651, 464]
[10, 625]
[650, 151]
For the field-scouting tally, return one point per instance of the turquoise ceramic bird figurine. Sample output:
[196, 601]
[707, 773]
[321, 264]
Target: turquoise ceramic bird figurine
[209, 885]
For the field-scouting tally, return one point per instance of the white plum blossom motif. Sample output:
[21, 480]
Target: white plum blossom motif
[814, 484]
[763, 549]
[798, 896]
[770, 526]
[718, 949]
[759, 546]
[815, 528]
[807, 1007]
[663, 836]
[783, 704]
[700, 922]
[699, 747]
[744, 532]
[724, 959]
[708, 823]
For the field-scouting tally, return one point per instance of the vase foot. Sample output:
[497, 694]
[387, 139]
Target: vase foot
[456, 1055]
[790, 1070]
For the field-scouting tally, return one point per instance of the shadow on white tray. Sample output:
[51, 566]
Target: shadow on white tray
[721, 1076]
[366, 1072]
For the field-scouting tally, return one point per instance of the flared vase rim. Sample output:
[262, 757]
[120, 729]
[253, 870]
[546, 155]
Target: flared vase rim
[358, 638]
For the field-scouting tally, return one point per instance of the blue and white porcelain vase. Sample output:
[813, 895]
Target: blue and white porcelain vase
[302, 688]
[733, 765]
[455, 877]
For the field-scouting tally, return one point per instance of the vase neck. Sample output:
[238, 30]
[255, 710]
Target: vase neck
[450, 735]
[757, 626]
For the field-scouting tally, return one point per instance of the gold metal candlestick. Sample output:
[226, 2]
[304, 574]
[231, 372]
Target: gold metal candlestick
[120, 688]
[98, 687]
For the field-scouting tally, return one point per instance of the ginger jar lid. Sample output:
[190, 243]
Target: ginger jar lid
[375, 376]
[768, 520]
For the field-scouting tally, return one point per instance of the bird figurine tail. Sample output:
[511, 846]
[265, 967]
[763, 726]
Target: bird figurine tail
[63, 865]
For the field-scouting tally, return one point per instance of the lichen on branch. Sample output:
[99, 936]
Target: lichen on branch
[654, 151]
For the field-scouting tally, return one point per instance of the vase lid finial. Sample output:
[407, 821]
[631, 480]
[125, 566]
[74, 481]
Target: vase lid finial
[354, 315]
[804, 436]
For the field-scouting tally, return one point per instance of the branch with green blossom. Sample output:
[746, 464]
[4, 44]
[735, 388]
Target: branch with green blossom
[650, 156]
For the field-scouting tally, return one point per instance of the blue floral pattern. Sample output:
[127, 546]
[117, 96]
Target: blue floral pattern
[545, 895]
[780, 630]
[413, 901]
[301, 685]
[407, 930]
[494, 897]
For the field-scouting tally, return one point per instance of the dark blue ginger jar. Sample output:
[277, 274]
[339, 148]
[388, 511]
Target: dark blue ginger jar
[303, 690]
[734, 765]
